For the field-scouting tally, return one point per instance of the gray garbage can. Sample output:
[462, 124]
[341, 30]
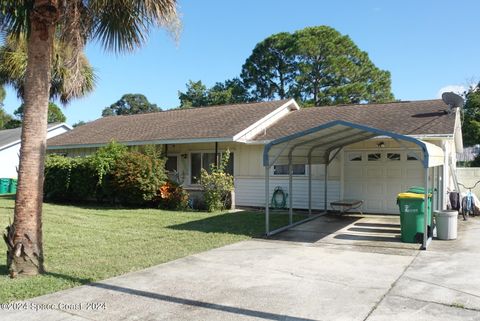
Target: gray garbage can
[446, 224]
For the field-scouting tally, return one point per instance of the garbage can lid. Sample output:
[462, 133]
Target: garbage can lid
[418, 190]
[446, 213]
[408, 195]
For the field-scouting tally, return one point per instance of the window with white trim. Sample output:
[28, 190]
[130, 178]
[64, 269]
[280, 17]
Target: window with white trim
[354, 157]
[372, 157]
[171, 164]
[393, 156]
[411, 156]
[298, 169]
[205, 160]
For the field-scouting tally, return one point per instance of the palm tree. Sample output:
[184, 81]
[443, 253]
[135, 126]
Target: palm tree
[13, 66]
[119, 26]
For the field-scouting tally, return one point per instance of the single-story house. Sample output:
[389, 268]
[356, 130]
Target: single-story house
[10, 147]
[373, 170]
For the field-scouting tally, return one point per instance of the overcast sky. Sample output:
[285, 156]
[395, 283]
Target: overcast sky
[426, 45]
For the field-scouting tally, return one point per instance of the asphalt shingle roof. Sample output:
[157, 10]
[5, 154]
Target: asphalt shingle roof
[425, 117]
[8, 136]
[196, 123]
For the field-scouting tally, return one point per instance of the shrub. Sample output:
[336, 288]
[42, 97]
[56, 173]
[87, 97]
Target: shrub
[69, 179]
[172, 196]
[217, 185]
[103, 162]
[136, 178]
[111, 173]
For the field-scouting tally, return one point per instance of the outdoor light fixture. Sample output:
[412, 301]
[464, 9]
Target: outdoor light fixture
[381, 145]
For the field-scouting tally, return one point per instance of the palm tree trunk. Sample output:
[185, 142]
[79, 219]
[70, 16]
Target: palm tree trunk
[25, 254]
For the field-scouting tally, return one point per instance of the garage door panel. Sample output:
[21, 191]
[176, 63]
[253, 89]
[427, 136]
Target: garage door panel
[394, 172]
[378, 183]
[352, 189]
[375, 189]
[414, 172]
[354, 172]
[374, 206]
[375, 172]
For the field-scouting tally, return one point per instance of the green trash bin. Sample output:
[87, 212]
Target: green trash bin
[412, 210]
[12, 188]
[4, 184]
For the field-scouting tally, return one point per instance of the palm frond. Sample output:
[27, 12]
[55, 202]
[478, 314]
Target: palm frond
[66, 82]
[14, 17]
[124, 25]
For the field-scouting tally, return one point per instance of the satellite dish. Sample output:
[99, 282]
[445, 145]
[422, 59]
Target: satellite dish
[453, 100]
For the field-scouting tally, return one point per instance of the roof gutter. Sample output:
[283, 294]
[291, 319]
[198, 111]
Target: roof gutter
[147, 142]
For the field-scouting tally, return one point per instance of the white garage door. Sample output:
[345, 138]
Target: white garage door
[378, 176]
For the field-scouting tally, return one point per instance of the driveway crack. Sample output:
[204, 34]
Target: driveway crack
[391, 287]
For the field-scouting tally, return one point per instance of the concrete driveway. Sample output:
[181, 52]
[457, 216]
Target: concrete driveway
[332, 268]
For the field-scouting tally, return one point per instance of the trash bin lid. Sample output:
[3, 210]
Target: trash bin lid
[418, 190]
[412, 196]
[446, 213]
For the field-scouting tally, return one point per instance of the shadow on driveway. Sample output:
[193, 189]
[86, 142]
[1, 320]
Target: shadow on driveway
[199, 304]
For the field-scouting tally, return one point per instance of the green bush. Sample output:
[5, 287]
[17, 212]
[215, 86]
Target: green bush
[69, 179]
[137, 178]
[217, 185]
[112, 173]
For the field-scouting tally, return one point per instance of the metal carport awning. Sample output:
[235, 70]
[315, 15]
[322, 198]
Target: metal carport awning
[316, 145]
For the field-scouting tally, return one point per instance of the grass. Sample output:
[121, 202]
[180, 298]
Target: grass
[86, 244]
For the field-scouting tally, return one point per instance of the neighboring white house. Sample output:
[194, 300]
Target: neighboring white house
[10, 147]
[375, 170]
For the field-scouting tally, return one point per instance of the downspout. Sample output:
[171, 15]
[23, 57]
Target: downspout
[216, 155]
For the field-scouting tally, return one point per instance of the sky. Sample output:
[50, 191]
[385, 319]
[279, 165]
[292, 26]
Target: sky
[428, 46]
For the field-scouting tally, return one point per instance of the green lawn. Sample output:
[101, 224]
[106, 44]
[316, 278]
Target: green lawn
[85, 244]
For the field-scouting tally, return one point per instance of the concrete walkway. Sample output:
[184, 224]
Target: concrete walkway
[347, 268]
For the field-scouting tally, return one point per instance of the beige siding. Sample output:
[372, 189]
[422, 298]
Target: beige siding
[468, 176]
[251, 191]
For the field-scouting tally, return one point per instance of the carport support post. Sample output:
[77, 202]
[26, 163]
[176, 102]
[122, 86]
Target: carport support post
[290, 188]
[425, 216]
[309, 184]
[267, 205]
[325, 187]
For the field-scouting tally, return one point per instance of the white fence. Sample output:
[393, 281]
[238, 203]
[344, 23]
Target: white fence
[468, 176]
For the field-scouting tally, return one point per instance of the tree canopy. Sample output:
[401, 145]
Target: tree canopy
[471, 117]
[55, 114]
[231, 91]
[316, 65]
[130, 104]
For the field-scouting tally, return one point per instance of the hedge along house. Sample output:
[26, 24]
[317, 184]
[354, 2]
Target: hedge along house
[374, 168]
[10, 142]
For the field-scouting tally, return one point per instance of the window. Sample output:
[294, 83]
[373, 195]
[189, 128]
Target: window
[374, 157]
[196, 162]
[411, 156]
[208, 159]
[393, 156]
[355, 157]
[171, 165]
[205, 160]
[298, 169]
